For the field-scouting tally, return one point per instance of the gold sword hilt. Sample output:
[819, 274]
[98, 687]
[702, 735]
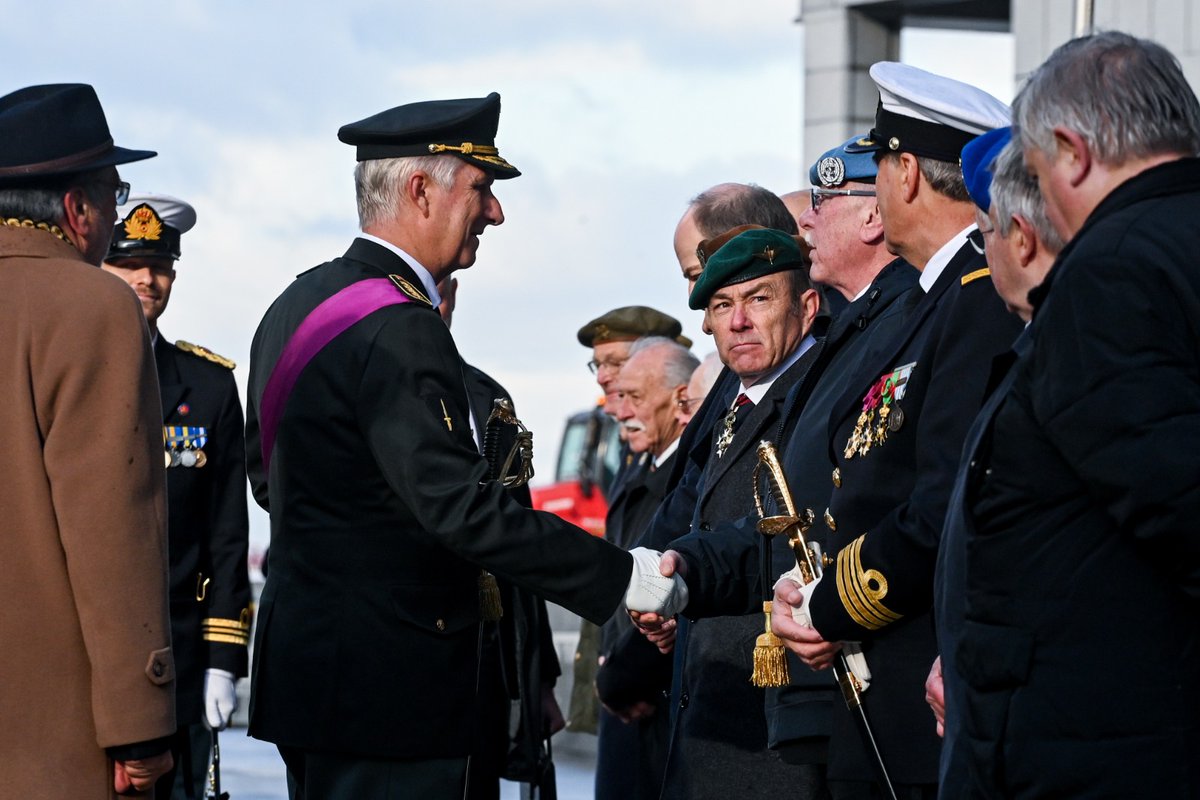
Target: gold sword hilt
[794, 525]
[522, 448]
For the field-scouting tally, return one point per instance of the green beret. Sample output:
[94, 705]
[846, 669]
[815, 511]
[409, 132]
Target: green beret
[751, 254]
[628, 323]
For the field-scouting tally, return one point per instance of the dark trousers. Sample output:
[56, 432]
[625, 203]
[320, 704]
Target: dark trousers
[313, 775]
[867, 790]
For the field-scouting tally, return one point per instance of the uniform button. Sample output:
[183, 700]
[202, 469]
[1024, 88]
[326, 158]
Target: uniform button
[829, 521]
[683, 700]
[837, 478]
[578, 656]
[440, 624]
[973, 464]
[987, 473]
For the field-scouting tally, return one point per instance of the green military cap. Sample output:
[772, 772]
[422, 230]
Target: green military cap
[751, 254]
[628, 323]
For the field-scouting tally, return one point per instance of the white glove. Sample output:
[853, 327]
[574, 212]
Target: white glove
[649, 591]
[220, 698]
[856, 660]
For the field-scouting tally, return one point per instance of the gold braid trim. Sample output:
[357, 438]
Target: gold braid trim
[862, 590]
[13, 222]
[466, 148]
[976, 275]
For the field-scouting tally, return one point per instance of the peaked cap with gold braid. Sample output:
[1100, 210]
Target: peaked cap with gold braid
[465, 128]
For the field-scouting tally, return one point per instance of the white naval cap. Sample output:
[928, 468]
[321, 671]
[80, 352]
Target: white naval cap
[150, 225]
[929, 115]
[177, 213]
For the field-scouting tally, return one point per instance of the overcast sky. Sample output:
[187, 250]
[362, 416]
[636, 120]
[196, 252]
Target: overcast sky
[616, 111]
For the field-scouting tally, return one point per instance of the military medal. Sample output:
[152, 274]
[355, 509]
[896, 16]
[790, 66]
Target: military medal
[726, 436]
[881, 412]
[184, 445]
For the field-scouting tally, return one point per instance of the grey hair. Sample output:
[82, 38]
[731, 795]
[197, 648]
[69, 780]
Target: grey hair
[1126, 97]
[378, 183]
[42, 200]
[944, 177]
[678, 362]
[1015, 191]
[728, 205]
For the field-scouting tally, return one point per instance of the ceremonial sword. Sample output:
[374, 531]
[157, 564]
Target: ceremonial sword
[808, 562]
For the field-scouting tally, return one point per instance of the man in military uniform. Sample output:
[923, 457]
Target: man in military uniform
[762, 311]
[207, 526]
[896, 433]
[843, 224]
[383, 516]
[1081, 642]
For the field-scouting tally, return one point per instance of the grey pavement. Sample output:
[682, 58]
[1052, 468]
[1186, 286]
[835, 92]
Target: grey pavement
[252, 770]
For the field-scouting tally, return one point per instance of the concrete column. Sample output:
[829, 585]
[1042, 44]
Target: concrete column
[840, 44]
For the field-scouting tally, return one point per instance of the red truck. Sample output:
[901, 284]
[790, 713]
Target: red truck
[587, 460]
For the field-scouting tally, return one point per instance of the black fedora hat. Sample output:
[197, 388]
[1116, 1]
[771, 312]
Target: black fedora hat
[56, 129]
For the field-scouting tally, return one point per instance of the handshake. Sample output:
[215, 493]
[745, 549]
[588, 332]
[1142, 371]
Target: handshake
[650, 591]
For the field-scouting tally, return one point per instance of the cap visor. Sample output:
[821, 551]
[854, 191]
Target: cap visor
[864, 145]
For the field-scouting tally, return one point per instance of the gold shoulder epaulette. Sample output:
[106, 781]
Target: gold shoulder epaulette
[976, 275]
[205, 353]
[410, 290]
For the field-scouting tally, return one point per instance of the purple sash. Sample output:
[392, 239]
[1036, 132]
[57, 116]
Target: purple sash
[326, 322]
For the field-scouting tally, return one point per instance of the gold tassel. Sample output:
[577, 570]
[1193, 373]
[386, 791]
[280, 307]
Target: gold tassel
[770, 658]
[490, 608]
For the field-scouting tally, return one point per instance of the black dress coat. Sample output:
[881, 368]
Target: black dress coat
[719, 730]
[886, 511]
[950, 579]
[1081, 647]
[724, 574]
[207, 524]
[381, 518]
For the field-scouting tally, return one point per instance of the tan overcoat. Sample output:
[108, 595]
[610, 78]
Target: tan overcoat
[85, 659]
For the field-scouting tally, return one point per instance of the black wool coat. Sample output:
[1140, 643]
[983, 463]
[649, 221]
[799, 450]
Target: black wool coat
[1081, 644]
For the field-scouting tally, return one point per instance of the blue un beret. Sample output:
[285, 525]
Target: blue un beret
[839, 165]
[977, 157]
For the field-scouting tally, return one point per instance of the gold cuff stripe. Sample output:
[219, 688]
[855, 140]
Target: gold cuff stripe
[228, 624]
[223, 638]
[862, 602]
[976, 275]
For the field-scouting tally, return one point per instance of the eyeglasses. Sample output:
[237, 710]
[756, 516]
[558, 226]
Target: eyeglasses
[595, 366]
[817, 195]
[685, 403]
[122, 192]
